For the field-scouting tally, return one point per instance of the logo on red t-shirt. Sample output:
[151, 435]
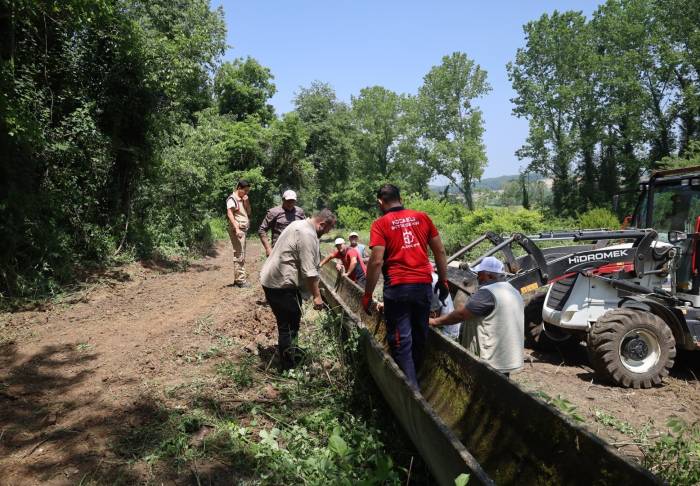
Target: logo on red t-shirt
[404, 234]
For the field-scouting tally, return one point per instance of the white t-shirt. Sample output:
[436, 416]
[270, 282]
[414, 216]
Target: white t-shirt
[452, 330]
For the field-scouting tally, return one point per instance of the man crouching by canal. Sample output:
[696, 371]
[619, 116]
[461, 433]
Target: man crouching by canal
[293, 268]
[399, 241]
[494, 315]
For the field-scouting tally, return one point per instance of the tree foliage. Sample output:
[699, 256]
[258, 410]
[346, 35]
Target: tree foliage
[451, 125]
[609, 97]
[243, 88]
[121, 131]
[88, 92]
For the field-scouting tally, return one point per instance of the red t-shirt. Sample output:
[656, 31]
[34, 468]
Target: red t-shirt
[404, 234]
[360, 269]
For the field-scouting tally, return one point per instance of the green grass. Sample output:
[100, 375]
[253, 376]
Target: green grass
[241, 373]
[674, 455]
[312, 432]
[218, 228]
[562, 404]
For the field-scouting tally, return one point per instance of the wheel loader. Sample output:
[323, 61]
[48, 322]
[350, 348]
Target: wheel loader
[632, 295]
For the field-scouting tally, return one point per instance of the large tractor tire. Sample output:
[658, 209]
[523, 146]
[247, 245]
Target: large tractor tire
[632, 348]
[538, 337]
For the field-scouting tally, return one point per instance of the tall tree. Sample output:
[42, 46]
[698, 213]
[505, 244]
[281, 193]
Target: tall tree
[287, 161]
[547, 80]
[641, 73]
[243, 88]
[376, 114]
[330, 146]
[678, 22]
[89, 94]
[451, 125]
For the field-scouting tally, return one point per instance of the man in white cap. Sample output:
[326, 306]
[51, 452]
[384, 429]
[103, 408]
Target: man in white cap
[494, 318]
[352, 265]
[354, 239]
[278, 218]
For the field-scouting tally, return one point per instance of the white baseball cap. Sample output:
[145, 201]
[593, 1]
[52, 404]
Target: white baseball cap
[339, 241]
[353, 234]
[490, 264]
[289, 195]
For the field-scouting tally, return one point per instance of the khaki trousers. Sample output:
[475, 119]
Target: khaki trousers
[238, 244]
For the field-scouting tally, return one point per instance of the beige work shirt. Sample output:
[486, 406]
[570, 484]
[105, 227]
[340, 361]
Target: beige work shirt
[235, 203]
[295, 257]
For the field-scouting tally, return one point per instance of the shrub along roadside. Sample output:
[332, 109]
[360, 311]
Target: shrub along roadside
[458, 225]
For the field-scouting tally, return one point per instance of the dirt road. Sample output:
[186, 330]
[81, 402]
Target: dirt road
[79, 379]
[626, 418]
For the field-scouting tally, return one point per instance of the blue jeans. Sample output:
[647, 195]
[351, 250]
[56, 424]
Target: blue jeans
[406, 312]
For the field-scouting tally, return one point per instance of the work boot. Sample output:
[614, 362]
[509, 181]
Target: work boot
[297, 354]
[286, 360]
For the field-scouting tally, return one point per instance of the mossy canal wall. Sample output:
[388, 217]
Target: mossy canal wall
[470, 419]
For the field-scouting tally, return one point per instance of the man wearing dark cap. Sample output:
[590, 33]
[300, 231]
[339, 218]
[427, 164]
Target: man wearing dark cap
[238, 214]
[399, 241]
[278, 218]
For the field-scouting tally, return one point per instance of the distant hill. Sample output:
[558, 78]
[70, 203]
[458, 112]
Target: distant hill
[492, 183]
[495, 183]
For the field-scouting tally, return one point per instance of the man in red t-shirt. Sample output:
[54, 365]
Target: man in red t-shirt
[399, 241]
[352, 264]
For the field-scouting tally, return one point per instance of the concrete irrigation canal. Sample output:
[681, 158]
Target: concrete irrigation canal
[470, 419]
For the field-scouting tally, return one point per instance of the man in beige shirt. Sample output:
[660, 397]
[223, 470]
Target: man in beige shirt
[238, 214]
[293, 266]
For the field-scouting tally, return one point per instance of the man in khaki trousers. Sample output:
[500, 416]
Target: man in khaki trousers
[238, 214]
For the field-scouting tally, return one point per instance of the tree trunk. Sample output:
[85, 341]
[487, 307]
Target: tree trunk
[608, 180]
[526, 197]
[466, 189]
[7, 32]
[689, 125]
[561, 196]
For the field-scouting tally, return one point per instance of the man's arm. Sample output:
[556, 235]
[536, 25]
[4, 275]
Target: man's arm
[440, 257]
[262, 232]
[312, 285]
[374, 268]
[234, 223]
[327, 259]
[480, 304]
[351, 267]
[457, 315]
[309, 266]
[246, 205]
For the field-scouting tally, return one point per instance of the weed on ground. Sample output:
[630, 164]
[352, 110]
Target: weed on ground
[673, 455]
[270, 427]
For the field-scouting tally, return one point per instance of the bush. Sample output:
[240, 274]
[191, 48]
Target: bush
[353, 218]
[598, 218]
[458, 226]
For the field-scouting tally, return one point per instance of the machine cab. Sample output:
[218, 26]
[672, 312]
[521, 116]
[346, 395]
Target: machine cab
[670, 204]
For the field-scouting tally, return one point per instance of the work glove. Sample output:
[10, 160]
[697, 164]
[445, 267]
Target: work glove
[367, 303]
[442, 288]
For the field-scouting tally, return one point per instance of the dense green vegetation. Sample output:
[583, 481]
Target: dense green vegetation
[122, 131]
[608, 97]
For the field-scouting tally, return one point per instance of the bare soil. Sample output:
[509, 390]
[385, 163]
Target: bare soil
[565, 374]
[78, 378]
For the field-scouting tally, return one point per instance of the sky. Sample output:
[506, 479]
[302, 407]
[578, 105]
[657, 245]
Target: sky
[391, 43]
